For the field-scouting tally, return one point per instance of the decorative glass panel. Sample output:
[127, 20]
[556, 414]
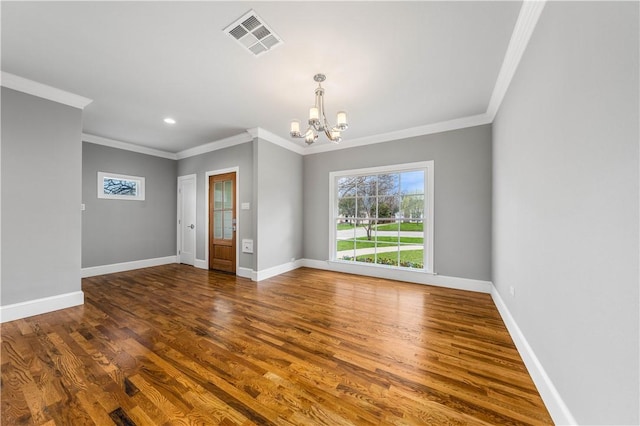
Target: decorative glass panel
[217, 195]
[228, 195]
[120, 187]
[217, 225]
[228, 225]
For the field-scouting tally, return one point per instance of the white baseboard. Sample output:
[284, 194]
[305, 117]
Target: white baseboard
[201, 264]
[244, 272]
[127, 266]
[401, 275]
[557, 408]
[40, 306]
[276, 270]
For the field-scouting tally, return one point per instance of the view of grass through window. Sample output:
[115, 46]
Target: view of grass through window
[380, 219]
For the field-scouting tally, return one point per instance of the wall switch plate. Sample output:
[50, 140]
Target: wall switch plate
[512, 291]
[82, 207]
[247, 245]
[245, 206]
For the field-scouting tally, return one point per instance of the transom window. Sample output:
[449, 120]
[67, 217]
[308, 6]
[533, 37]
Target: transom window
[383, 216]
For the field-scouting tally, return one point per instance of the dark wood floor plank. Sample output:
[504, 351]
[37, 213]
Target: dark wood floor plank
[178, 345]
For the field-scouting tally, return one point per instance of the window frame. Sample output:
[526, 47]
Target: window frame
[139, 181]
[428, 222]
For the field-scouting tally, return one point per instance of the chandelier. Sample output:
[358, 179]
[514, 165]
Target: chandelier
[318, 121]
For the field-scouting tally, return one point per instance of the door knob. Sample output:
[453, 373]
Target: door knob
[191, 226]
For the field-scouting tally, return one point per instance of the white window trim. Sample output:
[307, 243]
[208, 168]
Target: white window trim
[106, 175]
[428, 167]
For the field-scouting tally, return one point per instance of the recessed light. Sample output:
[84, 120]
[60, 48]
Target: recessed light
[169, 120]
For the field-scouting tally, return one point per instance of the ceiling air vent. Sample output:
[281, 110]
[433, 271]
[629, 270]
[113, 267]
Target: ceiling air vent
[253, 34]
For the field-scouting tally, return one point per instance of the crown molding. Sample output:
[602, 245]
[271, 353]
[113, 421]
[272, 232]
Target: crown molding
[215, 145]
[127, 146]
[259, 132]
[526, 23]
[443, 126]
[14, 82]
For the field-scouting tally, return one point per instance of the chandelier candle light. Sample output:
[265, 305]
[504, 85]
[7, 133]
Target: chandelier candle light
[318, 121]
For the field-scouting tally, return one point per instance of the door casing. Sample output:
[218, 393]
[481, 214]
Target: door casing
[207, 245]
[181, 226]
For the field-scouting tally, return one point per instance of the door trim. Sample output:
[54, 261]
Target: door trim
[179, 228]
[235, 169]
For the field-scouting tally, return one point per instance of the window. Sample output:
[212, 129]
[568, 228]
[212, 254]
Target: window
[120, 187]
[383, 216]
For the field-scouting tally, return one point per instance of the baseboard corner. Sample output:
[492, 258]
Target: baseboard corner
[40, 306]
[556, 406]
[92, 271]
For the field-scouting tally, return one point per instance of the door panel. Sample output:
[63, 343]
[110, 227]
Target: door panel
[222, 222]
[187, 219]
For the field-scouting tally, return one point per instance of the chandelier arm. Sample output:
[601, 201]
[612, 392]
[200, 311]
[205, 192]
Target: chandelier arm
[303, 134]
[323, 115]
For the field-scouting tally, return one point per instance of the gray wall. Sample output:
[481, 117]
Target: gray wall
[115, 231]
[566, 205]
[278, 182]
[236, 156]
[462, 217]
[41, 187]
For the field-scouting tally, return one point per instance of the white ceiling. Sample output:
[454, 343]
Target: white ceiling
[390, 65]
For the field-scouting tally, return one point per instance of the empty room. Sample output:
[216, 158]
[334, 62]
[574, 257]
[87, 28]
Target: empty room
[320, 213]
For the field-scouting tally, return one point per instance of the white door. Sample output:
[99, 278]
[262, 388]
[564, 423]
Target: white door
[187, 219]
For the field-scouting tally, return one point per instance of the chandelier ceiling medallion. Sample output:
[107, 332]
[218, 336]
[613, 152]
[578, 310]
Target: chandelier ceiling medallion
[318, 121]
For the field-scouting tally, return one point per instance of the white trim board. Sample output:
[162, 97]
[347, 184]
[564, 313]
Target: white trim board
[258, 132]
[99, 140]
[275, 270]
[553, 401]
[526, 23]
[366, 270]
[415, 277]
[92, 271]
[215, 145]
[30, 87]
[244, 272]
[44, 305]
[428, 129]
[200, 264]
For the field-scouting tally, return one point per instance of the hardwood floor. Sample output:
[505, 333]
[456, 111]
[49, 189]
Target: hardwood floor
[178, 345]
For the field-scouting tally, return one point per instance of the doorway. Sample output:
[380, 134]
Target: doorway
[187, 219]
[222, 222]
